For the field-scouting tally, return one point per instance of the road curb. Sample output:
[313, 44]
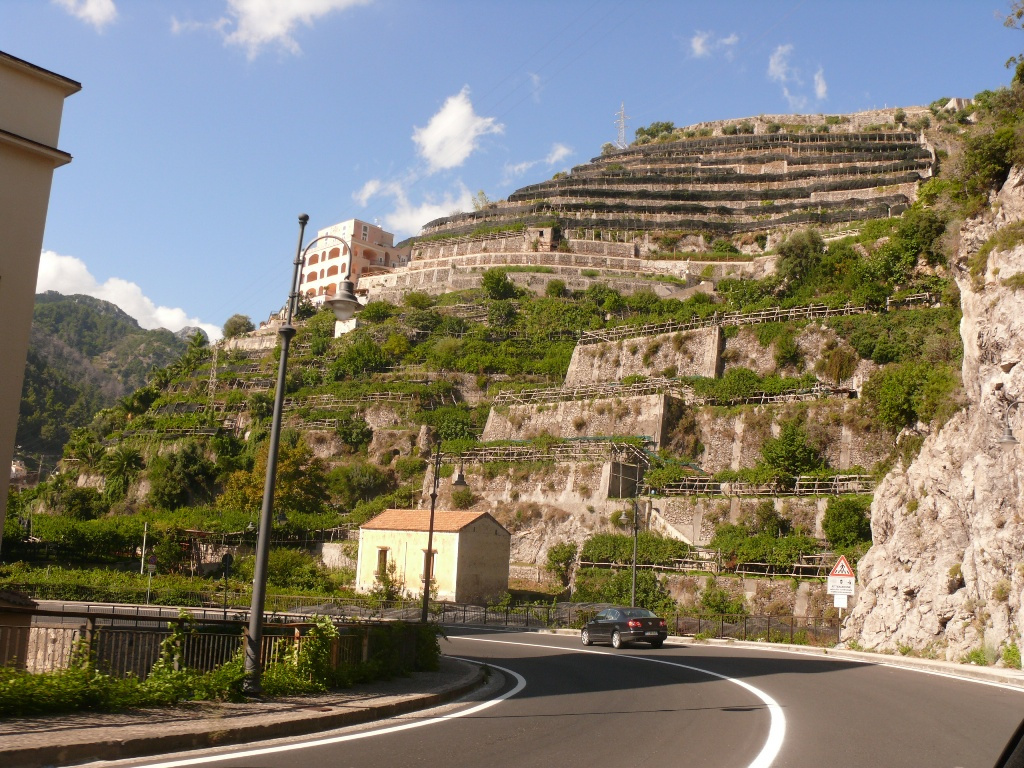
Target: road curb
[1000, 675]
[280, 726]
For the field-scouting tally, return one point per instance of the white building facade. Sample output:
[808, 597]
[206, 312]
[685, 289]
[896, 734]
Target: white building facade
[373, 252]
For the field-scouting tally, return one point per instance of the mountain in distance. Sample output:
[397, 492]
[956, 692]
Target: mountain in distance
[84, 354]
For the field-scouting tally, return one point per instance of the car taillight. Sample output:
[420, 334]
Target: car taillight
[634, 624]
[661, 623]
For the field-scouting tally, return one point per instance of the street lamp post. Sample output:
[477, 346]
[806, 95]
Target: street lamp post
[341, 305]
[428, 557]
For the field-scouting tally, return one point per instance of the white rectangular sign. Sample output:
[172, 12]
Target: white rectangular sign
[839, 601]
[840, 585]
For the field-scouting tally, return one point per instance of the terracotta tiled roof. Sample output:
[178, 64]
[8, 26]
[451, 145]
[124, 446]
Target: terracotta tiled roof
[446, 521]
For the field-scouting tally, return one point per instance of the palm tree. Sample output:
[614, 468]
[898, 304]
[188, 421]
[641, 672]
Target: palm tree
[120, 467]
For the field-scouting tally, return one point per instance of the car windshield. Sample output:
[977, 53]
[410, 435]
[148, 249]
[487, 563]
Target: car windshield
[637, 613]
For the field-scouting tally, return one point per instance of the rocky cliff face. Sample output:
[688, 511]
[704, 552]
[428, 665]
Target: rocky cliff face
[945, 573]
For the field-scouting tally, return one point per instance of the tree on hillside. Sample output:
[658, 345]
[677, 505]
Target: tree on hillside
[799, 255]
[790, 453]
[301, 481]
[236, 325]
[120, 467]
[496, 284]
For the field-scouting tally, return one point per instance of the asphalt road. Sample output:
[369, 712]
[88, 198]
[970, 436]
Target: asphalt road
[699, 705]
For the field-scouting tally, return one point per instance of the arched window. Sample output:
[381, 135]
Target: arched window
[331, 289]
[332, 270]
[313, 259]
[321, 274]
[311, 276]
[311, 292]
[335, 253]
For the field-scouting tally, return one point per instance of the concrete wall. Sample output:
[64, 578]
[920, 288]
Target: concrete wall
[30, 114]
[691, 353]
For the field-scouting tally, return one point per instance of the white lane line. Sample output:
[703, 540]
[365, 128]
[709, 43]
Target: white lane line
[776, 730]
[880, 662]
[520, 684]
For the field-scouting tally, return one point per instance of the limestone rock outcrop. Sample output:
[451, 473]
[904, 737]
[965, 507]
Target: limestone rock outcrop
[945, 573]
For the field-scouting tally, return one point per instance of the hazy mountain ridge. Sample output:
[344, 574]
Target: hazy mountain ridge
[84, 354]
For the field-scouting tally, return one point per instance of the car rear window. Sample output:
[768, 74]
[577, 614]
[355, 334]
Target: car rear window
[638, 613]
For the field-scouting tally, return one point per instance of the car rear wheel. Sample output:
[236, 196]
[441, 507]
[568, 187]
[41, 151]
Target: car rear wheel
[585, 637]
[657, 643]
[616, 639]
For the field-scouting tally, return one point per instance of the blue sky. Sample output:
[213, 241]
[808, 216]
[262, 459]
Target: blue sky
[204, 127]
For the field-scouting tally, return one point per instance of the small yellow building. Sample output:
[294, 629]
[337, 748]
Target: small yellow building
[471, 553]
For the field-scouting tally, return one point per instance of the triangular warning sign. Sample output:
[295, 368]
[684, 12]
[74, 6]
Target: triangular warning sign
[841, 568]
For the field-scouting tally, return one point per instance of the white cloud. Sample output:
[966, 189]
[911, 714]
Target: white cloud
[255, 24]
[453, 133]
[699, 45]
[407, 218]
[796, 101]
[778, 64]
[703, 44]
[820, 86]
[557, 154]
[536, 86]
[369, 189]
[515, 170]
[69, 275]
[99, 13]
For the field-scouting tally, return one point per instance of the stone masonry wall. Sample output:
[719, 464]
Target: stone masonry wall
[643, 415]
[691, 353]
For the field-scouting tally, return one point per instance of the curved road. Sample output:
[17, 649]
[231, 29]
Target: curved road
[559, 704]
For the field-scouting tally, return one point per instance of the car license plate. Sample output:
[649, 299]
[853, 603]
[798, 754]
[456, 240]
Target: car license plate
[651, 633]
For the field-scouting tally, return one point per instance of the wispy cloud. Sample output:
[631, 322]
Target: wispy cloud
[779, 69]
[256, 24]
[69, 275]
[453, 133]
[99, 13]
[783, 72]
[820, 86]
[558, 153]
[704, 44]
[536, 86]
[406, 217]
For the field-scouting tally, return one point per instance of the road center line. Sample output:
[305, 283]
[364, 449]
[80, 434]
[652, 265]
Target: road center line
[520, 684]
[776, 730]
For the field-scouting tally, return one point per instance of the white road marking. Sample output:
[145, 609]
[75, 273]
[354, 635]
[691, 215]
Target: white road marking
[776, 730]
[520, 684]
[880, 662]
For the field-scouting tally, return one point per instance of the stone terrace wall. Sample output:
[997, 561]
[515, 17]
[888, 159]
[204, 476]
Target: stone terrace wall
[643, 415]
[691, 353]
[695, 517]
[732, 437]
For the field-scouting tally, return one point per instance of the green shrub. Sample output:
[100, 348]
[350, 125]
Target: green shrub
[560, 558]
[1011, 655]
[463, 498]
[846, 521]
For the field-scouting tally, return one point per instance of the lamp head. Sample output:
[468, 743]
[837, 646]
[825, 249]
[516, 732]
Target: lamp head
[345, 303]
[1007, 440]
[459, 481]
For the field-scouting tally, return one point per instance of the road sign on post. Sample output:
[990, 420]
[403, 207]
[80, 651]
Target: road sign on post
[841, 579]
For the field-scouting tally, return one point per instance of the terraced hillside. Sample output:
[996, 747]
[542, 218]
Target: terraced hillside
[723, 185]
